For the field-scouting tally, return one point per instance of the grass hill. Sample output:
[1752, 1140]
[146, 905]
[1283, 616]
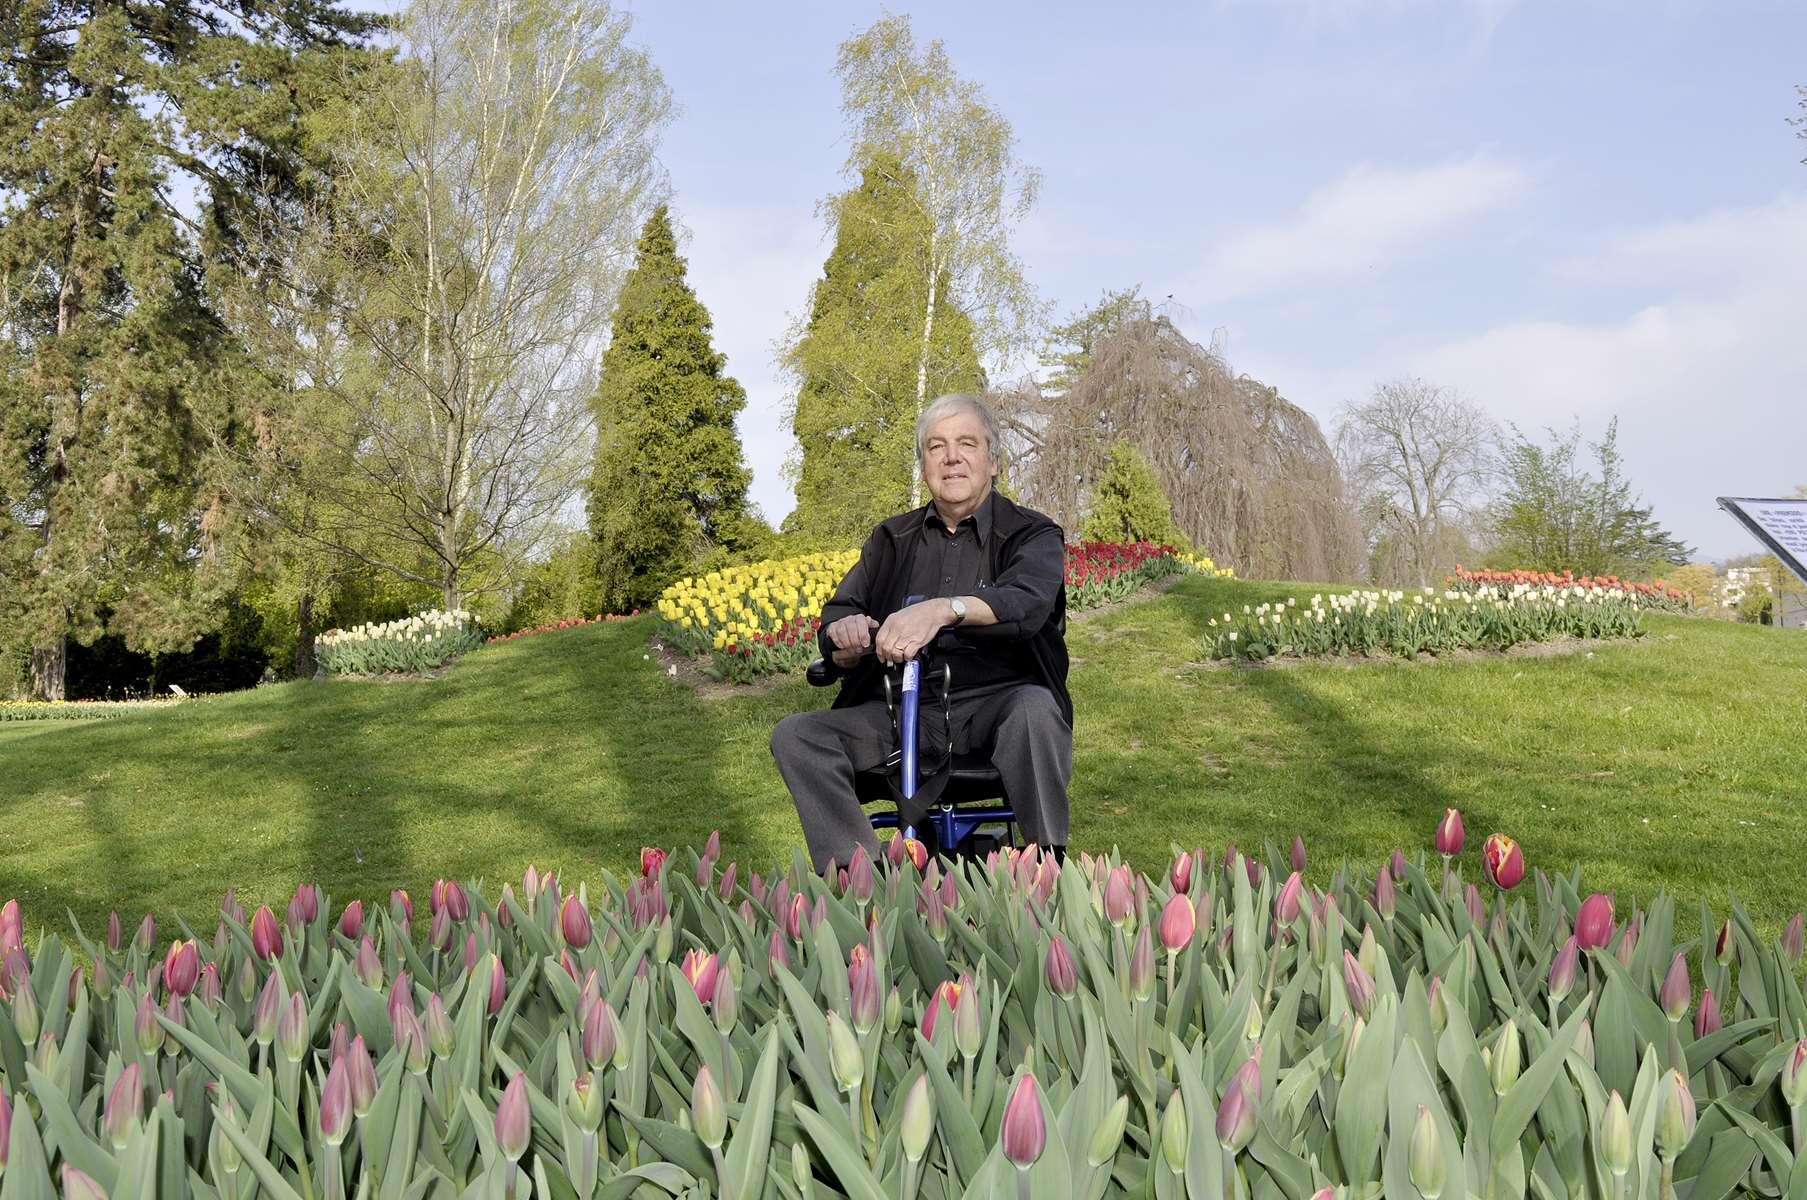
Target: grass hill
[1676, 761]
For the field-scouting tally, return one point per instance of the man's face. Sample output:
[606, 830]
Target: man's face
[956, 460]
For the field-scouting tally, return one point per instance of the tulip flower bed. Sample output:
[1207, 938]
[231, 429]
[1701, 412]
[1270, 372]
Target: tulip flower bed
[568, 623]
[417, 643]
[75, 710]
[1408, 624]
[1656, 596]
[918, 1030]
[762, 619]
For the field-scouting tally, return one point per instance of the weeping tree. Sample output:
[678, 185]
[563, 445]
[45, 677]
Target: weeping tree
[1249, 475]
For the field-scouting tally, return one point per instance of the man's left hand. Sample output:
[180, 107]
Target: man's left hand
[908, 630]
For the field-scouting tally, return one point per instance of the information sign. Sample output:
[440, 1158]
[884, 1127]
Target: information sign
[1780, 524]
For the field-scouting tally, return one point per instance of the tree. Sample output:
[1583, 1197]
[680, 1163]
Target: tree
[113, 364]
[1249, 475]
[449, 301]
[908, 111]
[857, 362]
[1554, 515]
[1416, 458]
[1127, 504]
[669, 486]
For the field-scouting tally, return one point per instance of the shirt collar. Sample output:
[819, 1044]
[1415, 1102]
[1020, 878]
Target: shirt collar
[981, 517]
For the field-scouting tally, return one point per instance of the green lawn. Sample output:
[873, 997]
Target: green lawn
[1677, 761]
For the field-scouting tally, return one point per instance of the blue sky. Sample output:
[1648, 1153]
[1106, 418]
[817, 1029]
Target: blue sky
[1563, 210]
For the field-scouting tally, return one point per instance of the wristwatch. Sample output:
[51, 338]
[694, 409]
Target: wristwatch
[959, 607]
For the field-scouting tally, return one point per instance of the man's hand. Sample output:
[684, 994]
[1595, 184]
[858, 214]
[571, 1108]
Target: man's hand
[851, 637]
[910, 629]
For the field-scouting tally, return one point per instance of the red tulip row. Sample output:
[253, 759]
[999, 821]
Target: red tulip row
[1655, 594]
[567, 623]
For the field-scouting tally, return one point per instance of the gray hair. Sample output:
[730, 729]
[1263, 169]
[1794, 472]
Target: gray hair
[949, 405]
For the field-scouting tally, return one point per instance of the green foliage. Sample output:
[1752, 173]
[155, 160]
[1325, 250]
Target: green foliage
[705, 1032]
[1127, 504]
[669, 488]
[562, 586]
[1068, 350]
[1556, 515]
[115, 377]
[856, 363]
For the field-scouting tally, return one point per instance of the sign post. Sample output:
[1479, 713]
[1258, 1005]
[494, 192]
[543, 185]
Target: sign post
[1781, 525]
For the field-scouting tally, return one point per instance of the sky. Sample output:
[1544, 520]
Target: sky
[1563, 211]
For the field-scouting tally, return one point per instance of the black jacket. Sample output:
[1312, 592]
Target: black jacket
[877, 583]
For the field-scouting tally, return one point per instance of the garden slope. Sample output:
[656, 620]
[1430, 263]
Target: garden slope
[1671, 761]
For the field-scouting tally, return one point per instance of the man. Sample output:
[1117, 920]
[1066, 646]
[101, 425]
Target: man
[994, 577]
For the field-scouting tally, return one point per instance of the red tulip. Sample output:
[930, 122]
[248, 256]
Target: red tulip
[351, 921]
[266, 938]
[1024, 1132]
[947, 996]
[182, 967]
[574, 923]
[1449, 834]
[1179, 876]
[651, 859]
[699, 968]
[1594, 922]
[1503, 861]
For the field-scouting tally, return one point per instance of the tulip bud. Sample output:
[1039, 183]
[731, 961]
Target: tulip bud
[1118, 897]
[514, 1119]
[1438, 1005]
[247, 981]
[1449, 834]
[125, 1107]
[599, 1034]
[291, 1028]
[1359, 984]
[1507, 1058]
[115, 935]
[351, 921]
[360, 1076]
[1024, 1132]
[210, 990]
[1675, 1116]
[1562, 970]
[1706, 1018]
[1236, 1116]
[149, 1033]
[1298, 855]
[708, 1113]
[1471, 900]
[266, 938]
[1058, 968]
[1109, 1134]
[893, 1010]
[438, 1024]
[844, 1056]
[1615, 1136]
[1792, 941]
[335, 1103]
[439, 931]
[182, 967]
[968, 1024]
[1794, 1075]
[1584, 1042]
[584, 1104]
[1725, 946]
[1179, 875]
[802, 1172]
[1676, 993]
[1141, 966]
[1425, 1162]
[77, 1185]
[1594, 922]
[664, 941]
[265, 1014]
[918, 1121]
[700, 968]
[1286, 903]
[862, 987]
[574, 923]
[1176, 1139]
[1352, 1036]
[26, 1017]
[1178, 921]
[1386, 901]
[147, 934]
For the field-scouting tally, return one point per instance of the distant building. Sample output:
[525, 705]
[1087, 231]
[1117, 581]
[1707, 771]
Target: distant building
[1738, 579]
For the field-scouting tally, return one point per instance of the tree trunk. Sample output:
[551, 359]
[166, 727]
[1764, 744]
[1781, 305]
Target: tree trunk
[305, 664]
[922, 372]
[47, 664]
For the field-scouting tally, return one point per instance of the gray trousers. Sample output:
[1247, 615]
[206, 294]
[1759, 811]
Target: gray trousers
[1030, 744]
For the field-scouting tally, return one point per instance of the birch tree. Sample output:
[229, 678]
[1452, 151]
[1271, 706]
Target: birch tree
[957, 153]
[448, 306]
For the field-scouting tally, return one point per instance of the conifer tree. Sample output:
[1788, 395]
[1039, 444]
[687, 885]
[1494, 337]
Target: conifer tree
[856, 364]
[1128, 505]
[114, 370]
[668, 494]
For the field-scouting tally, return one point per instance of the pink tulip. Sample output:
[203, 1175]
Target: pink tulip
[1386, 900]
[400, 906]
[699, 968]
[1178, 921]
[351, 921]
[1118, 898]
[1792, 942]
[1179, 876]
[1677, 990]
[1286, 904]
[360, 1072]
[1503, 861]
[947, 997]
[147, 934]
[1360, 986]
[600, 1034]
[1058, 969]
[182, 967]
[1563, 968]
[266, 937]
[1594, 922]
[1397, 864]
[652, 859]
[498, 985]
[335, 1104]
[574, 923]
[125, 1106]
[1298, 855]
[1236, 1116]
[514, 1119]
[1706, 1018]
[1024, 1132]
[79, 1185]
[777, 951]
[1449, 834]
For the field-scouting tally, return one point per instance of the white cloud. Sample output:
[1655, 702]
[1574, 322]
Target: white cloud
[1709, 382]
[752, 268]
[1362, 221]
